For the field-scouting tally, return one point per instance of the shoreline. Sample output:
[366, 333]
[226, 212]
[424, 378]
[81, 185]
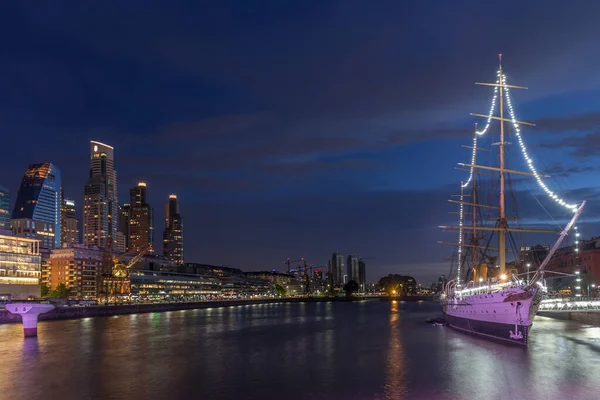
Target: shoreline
[75, 312]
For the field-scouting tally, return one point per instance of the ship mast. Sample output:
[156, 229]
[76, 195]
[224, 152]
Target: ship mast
[502, 214]
[474, 238]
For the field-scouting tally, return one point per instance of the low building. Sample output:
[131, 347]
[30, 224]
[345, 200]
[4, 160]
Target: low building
[148, 286]
[20, 268]
[81, 269]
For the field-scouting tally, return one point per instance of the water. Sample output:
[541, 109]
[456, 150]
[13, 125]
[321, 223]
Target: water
[366, 350]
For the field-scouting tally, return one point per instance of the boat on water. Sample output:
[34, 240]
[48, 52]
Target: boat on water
[487, 296]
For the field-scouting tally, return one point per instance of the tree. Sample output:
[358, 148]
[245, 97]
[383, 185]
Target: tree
[280, 290]
[350, 288]
[45, 292]
[400, 285]
[61, 291]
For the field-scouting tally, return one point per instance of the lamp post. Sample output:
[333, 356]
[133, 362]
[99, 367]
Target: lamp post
[578, 287]
[528, 266]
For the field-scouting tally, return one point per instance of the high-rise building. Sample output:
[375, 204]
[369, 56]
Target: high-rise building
[4, 209]
[141, 223]
[37, 209]
[20, 268]
[352, 269]
[362, 275]
[173, 234]
[337, 269]
[69, 223]
[124, 220]
[100, 201]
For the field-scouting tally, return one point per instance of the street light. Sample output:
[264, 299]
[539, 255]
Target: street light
[528, 266]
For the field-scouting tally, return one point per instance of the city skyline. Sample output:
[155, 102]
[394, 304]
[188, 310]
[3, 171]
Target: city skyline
[277, 137]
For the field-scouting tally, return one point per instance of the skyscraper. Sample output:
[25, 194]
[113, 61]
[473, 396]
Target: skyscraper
[69, 223]
[4, 209]
[337, 269]
[37, 209]
[362, 275]
[124, 220]
[352, 269]
[173, 234]
[100, 201]
[141, 223]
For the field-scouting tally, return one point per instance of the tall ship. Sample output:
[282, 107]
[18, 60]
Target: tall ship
[486, 295]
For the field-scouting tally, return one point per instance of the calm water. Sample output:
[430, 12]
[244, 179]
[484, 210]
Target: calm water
[366, 350]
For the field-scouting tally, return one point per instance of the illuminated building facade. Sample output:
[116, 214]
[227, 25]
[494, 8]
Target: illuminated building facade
[69, 224]
[80, 268]
[100, 202]
[337, 269]
[20, 268]
[37, 209]
[4, 209]
[173, 234]
[163, 285]
[141, 222]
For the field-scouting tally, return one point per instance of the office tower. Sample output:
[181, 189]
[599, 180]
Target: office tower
[100, 202]
[4, 209]
[37, 209]
[69, 223]
[20, 268]
[173, 234]
[124, 220]
[141, 223]
[352, 269]
[362, 275]
[337, 269]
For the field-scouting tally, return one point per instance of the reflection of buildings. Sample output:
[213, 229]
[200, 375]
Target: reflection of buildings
[100, 201]
[20, 268]
[173, 234]
[4, 209]
[141, 222]
[36, 213]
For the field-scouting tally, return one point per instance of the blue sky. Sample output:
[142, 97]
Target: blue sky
[296, 129]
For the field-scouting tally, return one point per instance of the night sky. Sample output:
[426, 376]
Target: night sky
[300, 128]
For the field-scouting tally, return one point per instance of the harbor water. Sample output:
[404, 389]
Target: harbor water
[360, 350]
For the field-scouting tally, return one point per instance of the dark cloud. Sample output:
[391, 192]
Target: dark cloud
[579, 146]
[570, 123]
[559, 170]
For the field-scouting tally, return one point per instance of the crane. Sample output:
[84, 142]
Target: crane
[288, 262]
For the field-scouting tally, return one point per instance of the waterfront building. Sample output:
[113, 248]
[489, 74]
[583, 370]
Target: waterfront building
[362, 275]
[4, 209]
[36, 214]
[69, 223]
[149, 286]
[234, 282]
[352, 269]
[173, 234]
[337, 269]
[100, 201]
[275, 278]
[531, 257]
[141, 222]
[20, 268]
[80, 268]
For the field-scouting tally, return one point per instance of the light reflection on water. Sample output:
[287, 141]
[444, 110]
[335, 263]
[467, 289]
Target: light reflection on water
[361, 350]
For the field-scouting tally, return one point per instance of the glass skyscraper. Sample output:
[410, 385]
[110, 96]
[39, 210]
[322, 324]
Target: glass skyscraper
[141, 220]
[100, 202]
[37, 208]
[4, 209]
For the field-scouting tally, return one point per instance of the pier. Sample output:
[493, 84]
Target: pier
[29, 313]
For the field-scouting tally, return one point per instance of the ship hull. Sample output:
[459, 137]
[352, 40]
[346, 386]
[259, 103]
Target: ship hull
[505, 315]
[489, 330]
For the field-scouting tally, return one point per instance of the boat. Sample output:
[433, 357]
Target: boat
[487, 296]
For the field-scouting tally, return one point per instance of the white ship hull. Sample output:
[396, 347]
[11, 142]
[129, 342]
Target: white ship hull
[505, 314]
